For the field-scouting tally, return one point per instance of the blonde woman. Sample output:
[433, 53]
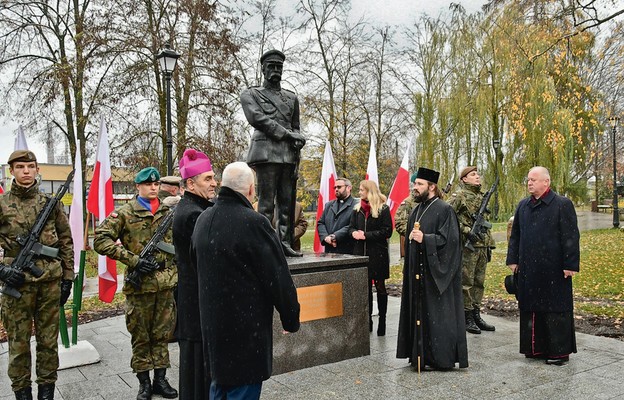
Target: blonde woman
[371, 226]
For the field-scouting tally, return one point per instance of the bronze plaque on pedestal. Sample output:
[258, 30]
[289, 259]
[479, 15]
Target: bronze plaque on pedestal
[320, 301]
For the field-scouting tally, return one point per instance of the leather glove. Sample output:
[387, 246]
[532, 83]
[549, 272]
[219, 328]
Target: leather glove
[66, 287]
[11, 276]
[145, 266]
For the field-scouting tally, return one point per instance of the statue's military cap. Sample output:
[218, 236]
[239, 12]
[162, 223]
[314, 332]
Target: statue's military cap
[147, 175]
[22, 156]
[272, 55]
[171, 180]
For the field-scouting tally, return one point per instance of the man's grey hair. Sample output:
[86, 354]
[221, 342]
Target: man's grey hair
[346, 181]
[542, 171]
[238, 176]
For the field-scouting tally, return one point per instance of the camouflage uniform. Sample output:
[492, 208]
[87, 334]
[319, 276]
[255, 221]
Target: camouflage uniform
[40, 296]
[150, 311]
[466, 202]
[403, 214]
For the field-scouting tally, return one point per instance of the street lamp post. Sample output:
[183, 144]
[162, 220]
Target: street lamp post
[616, 212]
[167, 59]
[496, 145]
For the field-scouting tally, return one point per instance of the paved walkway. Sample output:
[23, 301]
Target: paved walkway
[496, 370]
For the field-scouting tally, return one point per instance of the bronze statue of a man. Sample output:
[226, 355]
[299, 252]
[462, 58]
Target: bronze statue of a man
[275, 146]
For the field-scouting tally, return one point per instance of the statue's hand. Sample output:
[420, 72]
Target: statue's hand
[298, 140]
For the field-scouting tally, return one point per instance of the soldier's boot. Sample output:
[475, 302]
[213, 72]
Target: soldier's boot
[161, 386]
[24, 394]
[382, 305]
[484, 326]
[471, 325]
[145, 386]
[45, 392]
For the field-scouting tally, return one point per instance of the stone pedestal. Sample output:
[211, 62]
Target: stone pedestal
[333, 293]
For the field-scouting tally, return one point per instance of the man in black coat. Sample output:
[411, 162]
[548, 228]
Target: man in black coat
[432, 330]
[242, 276]
[199, 182]
[275, 145]
[544, 251]
[333, 226]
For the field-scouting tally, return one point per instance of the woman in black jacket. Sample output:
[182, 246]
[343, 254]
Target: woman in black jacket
[371, 227]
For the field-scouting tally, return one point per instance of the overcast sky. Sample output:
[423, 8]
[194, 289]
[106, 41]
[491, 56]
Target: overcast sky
[391, 12]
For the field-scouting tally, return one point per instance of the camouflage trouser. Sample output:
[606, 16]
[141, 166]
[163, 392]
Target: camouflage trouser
[473, 276]
[39, 302]
[150, 319]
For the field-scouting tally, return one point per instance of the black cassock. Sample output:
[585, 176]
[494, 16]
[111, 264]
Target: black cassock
[436, 297]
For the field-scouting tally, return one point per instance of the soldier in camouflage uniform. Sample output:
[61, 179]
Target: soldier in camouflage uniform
[466, 202]
[150, 310]
[403, 214]
[40, 297]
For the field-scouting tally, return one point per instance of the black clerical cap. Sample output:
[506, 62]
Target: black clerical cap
[428, 175]
[511, 284]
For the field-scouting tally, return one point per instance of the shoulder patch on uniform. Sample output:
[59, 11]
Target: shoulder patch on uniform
[114, 215]
[454, 195]
[403, 202]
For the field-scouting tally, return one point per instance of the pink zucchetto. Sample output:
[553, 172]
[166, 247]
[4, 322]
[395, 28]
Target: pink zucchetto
[193, 163]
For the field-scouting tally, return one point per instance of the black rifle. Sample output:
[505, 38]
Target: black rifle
[480, 225]
[155, 243]
[31, 248]
[449, 185]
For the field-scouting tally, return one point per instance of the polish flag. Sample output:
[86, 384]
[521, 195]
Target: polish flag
[326, 191]
[100, 203]
[400, 188]
[76, 222]
[20, 140]
[371, 169]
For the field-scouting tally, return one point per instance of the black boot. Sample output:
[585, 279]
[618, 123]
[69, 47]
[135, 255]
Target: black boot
[145, 387]
[484, 326]
[471, 326]
[382, 305]
[161, 386]
[45, 392]
[24, 394]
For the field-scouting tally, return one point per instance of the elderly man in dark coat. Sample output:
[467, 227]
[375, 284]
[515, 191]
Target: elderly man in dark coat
[242, 276]
[199, 182]
[544, 251]
[432, 330]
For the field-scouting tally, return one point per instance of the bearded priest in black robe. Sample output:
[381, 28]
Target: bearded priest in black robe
[432, 329]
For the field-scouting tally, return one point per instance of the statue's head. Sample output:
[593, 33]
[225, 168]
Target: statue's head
[272, 65]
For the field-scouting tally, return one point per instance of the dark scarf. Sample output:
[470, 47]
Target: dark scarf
[366, 207]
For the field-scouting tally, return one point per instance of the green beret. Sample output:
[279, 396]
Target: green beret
[272, 55]
[22, 156]
[413, 177]
[147, 175]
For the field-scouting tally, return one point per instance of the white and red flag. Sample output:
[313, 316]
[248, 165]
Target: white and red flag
[20, 140]
[400, 188]
[371, 169]
[100, 203]
[76, 222]
[326, 191]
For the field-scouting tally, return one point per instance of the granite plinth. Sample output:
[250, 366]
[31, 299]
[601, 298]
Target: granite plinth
[325, 282]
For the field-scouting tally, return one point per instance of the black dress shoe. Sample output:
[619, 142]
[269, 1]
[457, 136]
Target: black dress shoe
[558, 361]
